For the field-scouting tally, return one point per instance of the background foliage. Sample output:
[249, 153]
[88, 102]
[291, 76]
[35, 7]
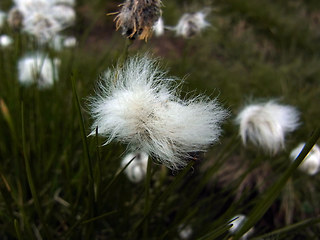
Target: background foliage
[254, 50]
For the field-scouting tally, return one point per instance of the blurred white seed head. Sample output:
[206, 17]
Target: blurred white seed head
[266, 124]
[139, 105]
[137, 169]
[191, 24]
[3, 17]
[311, 163]
[158, 27]
[59, 42]
[64, 14]
[237, 222]
[5, 41]
[185, 232]
[70, 42]
[39, 69]
[41, 18]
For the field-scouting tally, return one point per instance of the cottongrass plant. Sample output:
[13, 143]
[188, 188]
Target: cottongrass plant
[37, 68]
[311, 163]
[136, 171]
[266, 124]
[41, 19]
[137, 18]
[139, 105]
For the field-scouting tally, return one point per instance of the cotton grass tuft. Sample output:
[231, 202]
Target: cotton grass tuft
[266, 124]
[139, 105]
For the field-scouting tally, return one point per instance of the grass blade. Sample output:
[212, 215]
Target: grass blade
[99, 217]
[16, 226]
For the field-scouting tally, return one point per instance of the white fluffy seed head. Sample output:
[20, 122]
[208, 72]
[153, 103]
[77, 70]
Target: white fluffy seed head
[266, 124]
[5, 41]
[70, 42]
[39, 69]
[137, 169]
[191, 24]
[311, 163]
[138, 105]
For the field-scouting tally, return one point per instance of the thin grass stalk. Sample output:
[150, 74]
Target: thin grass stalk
[87, 159]
[117, 175]
[270, 196]
[147, 198]
[17, 228]
[99, 217]
[24, 217]
[31, 181]
[98, 170]
[6, 195]
[215, 233]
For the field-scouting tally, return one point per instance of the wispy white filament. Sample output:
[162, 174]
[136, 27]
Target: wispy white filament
[311, 163]
[39, 69]
[137, 169]
[266, 124]
[139, 105]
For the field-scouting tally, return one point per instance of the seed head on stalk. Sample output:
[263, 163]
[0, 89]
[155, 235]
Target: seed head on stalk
[137, 17]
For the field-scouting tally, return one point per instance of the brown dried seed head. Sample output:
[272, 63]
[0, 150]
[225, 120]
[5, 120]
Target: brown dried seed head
[137, 17]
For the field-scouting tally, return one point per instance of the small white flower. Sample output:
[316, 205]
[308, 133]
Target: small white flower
[137, 169]
[311, 163]
[158, 27]
[191, 24]
[138, 105]
[185, 232]
[3, 17]
[70, 42]
[266, 124]
[39, 69]
[237, 222]
[5, 41]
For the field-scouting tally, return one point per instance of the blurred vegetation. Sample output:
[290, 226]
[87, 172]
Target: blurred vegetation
[253, 50]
